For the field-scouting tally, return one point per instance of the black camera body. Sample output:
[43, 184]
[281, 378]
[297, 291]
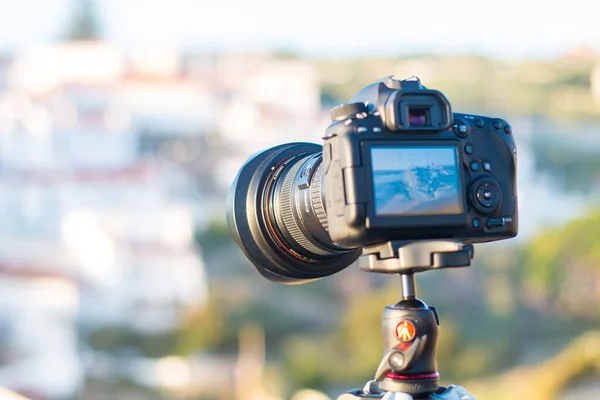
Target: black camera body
[400, 166]
[396, 166]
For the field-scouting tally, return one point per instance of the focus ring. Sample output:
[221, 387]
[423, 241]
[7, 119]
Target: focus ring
[317, 198]
[287, 212]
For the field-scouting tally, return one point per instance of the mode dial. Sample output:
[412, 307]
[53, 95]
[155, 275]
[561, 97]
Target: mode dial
[348, 110]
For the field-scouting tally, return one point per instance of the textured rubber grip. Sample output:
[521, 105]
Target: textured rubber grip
[287, 212]
[316, 197]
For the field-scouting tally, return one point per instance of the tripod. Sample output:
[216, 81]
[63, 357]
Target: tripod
[410, 327]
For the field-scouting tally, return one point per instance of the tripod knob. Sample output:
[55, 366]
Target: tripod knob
[396, 360]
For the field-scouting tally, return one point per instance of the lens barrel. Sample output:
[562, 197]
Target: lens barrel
[276, 213]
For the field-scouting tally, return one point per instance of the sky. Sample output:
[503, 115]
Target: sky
[334, 29]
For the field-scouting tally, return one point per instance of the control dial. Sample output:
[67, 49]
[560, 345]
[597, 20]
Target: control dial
[348, 110]
[485, 195]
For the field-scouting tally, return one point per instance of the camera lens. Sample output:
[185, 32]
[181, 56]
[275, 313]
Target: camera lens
[276, 212]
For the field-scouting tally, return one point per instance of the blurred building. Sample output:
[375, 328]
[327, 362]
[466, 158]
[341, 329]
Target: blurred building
[38, 312]
[97, 221]
[262, 102]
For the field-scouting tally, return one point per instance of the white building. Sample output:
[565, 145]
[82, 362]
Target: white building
[40, 69]
[80, 202]
[38, 333]
[273, 102]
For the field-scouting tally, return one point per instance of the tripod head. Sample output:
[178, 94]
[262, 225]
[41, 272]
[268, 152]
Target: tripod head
[410, 327]
[404, 257]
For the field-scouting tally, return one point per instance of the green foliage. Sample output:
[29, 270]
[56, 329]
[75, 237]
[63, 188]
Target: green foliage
[477, 84]
[201, 328]
[573, 169]
[214, 238]
[330, 97]
[545, 379]
[349, 354]
[117, 339]
[121, 388]
[559, 253]
[310, 361]
[273, 317]
[113, 338]
[576, 75]
[84, 25]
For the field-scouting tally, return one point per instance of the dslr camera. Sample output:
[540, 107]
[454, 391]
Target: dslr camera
[396, 165]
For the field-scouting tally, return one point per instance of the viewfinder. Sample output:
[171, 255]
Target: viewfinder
[419, 116]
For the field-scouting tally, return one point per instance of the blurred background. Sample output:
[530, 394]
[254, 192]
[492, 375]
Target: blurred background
[123, 122]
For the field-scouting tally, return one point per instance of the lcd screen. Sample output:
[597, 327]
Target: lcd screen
[416, 180]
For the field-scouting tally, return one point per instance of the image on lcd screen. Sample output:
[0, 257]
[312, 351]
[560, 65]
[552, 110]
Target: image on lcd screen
[416, 180]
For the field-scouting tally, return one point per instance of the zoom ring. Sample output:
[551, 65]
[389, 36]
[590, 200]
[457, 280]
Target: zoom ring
[316, 197]
[287, 211]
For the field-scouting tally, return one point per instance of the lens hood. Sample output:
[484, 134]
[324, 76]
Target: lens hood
[247, 217]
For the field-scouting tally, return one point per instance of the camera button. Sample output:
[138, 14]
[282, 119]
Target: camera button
[474, 166]
[487, 165]
[361, 129]
[469, 148]
[377, 129]
[498, 124]
[476, 223]
[479, 123]
[495, 222]
[508, 129]
[461, 129]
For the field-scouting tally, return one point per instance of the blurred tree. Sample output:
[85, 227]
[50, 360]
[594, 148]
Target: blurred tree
[329, 98]
[112, 339]
[120, 339]
[544, 380]
[574, 75]
[347, 356]
[572, 169]
[214, 238]
[476, 84]
[119, 388]
[84, 23]
[561, 267]
[201, 328]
